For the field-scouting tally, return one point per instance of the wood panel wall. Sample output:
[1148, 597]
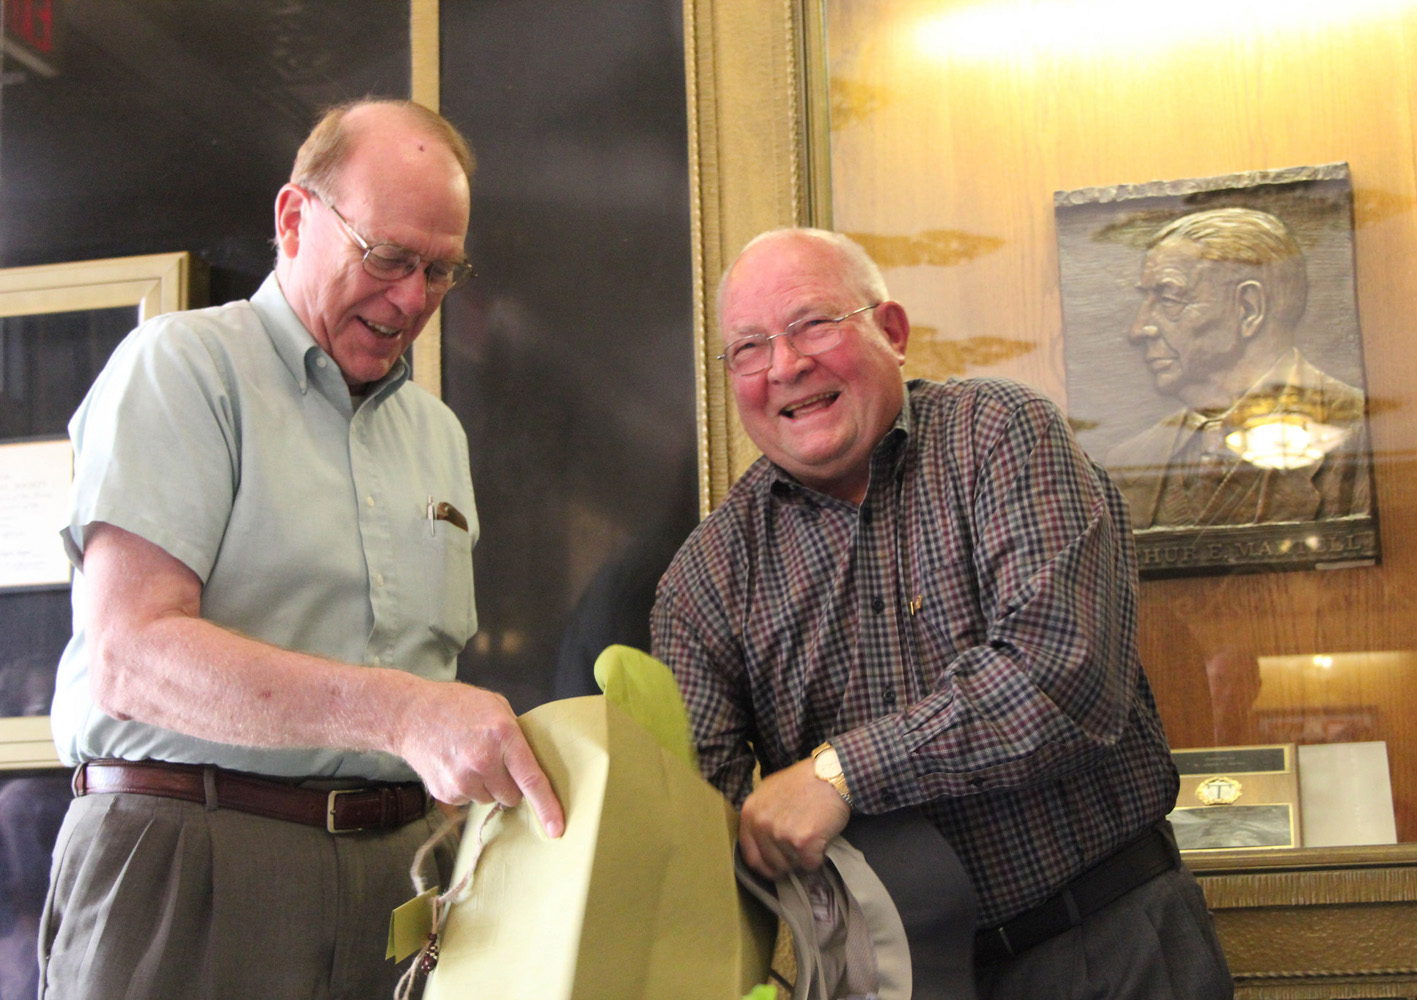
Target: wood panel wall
[954, 123]
[951, 126]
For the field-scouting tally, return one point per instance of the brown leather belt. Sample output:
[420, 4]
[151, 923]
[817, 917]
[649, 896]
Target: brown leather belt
[377, 806]
[1140, 861]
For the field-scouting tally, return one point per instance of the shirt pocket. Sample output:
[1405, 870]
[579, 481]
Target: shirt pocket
[446, 561]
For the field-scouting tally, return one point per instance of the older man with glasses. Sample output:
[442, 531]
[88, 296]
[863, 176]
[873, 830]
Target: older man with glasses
[915, 616]
[273, 528]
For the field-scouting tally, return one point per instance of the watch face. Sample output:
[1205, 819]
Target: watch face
[826, 765]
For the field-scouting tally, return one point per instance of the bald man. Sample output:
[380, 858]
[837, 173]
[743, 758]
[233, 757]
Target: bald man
[919, 608]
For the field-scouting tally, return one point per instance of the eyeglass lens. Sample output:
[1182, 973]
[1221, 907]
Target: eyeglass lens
[808, 336]
[391, 263]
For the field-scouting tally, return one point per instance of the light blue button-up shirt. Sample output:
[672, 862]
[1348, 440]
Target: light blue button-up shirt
[227, 437]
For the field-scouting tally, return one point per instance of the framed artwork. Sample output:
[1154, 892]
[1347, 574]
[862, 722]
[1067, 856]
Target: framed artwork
[58, 325]
[34, 481]
[1215, 366]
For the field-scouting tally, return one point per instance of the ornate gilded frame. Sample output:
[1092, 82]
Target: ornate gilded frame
[424, 88]
[754, 141]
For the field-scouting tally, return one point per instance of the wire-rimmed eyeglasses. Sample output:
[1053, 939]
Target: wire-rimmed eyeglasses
[808, 336]
[391, 262]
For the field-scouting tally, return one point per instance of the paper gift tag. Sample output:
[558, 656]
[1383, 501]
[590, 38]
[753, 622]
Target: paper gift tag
[410, 925]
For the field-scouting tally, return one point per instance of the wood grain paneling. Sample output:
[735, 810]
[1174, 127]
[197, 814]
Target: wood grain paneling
[965, 118]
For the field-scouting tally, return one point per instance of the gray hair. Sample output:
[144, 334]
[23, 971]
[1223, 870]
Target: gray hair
[858, 269]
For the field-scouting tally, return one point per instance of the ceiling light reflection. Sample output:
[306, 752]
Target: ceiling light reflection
[984, 31]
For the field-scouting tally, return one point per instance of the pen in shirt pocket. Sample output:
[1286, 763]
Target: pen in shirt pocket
[441, 510]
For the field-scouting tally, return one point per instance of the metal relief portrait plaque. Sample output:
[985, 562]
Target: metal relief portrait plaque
[1215, 367]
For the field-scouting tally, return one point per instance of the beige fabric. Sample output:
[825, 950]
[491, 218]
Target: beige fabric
[840, 935]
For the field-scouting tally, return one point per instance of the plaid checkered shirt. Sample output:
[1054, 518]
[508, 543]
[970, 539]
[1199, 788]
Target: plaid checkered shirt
[965, 638]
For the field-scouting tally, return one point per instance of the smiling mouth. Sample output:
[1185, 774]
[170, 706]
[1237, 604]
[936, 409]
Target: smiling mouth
[379, 330]
[810, 405]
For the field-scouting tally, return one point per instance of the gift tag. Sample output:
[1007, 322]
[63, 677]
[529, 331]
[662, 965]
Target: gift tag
[410, 925]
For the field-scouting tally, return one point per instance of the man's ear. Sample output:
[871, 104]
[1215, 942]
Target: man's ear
[891, 318]
[1250, 298]
[292, 203]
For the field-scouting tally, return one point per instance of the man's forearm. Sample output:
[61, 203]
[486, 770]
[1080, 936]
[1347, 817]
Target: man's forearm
[156, 660]
[194, 677]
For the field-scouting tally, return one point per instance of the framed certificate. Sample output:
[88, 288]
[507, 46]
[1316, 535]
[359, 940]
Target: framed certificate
[34, 484]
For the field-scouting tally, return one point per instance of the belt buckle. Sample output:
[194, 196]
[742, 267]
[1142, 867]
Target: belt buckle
[330, 811]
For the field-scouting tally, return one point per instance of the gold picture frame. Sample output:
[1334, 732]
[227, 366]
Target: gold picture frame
[150, 284]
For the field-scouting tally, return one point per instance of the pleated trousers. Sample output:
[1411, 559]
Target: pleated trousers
[152, 897]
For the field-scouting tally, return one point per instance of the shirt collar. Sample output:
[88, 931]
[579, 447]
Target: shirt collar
[296, 345]
[1289, 369]
[886, 458]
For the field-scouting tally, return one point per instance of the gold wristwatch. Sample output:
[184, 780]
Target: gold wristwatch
[827, 766]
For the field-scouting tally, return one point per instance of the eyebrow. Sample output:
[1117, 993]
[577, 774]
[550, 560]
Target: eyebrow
[738, 333]
[460, 259]
[376, 242]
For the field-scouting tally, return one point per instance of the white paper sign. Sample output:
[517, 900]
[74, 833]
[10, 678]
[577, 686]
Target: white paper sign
[34, 491]
[1345, 794]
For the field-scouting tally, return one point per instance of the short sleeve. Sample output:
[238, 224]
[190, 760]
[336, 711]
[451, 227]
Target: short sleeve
[155, 445]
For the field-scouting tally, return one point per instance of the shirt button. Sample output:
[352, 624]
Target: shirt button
[889, 696]
[379, 579]
[888, 797]
[368, 501]
[877, 605]
[321, 362]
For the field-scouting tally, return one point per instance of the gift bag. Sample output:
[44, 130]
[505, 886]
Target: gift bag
[637, 899]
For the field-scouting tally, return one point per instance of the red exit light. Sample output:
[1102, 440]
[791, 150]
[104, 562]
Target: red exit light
[31, 23]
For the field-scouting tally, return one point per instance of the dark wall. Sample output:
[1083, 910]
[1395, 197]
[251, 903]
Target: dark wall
[170, 124]
[569, 360]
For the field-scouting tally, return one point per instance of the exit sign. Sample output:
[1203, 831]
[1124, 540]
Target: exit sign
[31, 35]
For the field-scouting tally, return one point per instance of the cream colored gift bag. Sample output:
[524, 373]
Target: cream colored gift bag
[637, 899]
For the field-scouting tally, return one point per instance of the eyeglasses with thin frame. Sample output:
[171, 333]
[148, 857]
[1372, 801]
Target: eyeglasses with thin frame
[391, 262]
[808, 336]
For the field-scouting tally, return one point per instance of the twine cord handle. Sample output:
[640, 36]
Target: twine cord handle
[427, 957]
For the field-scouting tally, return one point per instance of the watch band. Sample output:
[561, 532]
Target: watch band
[831, 774]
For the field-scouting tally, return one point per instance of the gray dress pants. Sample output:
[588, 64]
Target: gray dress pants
[157, 898]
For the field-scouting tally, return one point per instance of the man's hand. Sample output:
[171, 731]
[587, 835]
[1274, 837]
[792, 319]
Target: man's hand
[466, 745]
[789, 820]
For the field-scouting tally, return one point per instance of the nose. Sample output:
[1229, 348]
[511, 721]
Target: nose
[410, 293]
[787, 362]
[1143, 326]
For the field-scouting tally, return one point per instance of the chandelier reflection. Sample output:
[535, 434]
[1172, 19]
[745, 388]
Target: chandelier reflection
[1289, 429]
